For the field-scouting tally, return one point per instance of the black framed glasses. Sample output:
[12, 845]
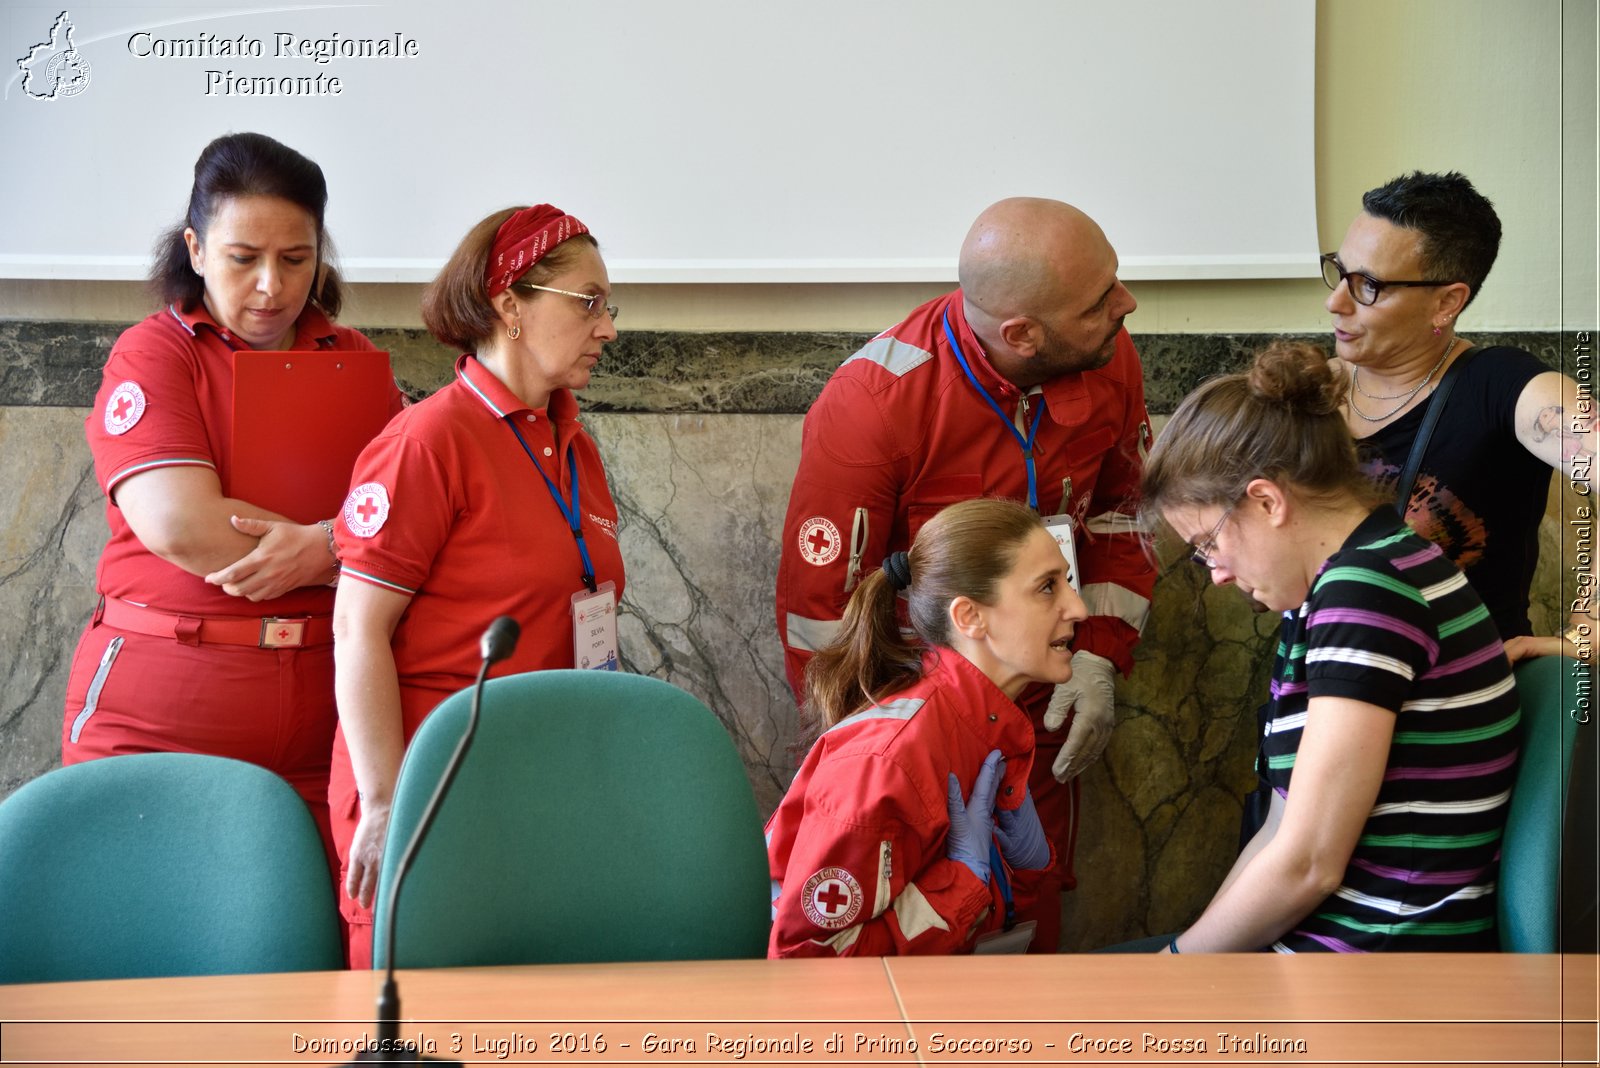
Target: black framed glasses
[1364, 289]
[593, 303]
[1204, 552]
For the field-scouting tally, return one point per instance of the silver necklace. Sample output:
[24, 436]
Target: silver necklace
[1403, 398]
[1355, 381]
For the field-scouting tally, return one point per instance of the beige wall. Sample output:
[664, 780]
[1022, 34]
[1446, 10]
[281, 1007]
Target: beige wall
[1470, 85]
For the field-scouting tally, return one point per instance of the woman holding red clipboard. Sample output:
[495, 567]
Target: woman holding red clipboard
[214, 629]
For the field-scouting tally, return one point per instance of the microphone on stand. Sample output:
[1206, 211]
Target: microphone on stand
[497, 643]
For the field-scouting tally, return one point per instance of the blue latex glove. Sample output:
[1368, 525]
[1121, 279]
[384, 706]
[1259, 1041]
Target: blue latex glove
[1021, 835]
[972, 822]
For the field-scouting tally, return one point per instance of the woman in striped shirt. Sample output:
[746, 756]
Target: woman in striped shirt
[1393, 735]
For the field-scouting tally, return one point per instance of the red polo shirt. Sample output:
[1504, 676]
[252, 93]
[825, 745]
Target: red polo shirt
[447, 508]
[166, 400]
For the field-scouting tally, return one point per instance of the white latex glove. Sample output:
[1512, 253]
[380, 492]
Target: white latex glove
[1092, 691]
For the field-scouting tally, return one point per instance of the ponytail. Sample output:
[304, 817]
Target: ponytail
[869, 657]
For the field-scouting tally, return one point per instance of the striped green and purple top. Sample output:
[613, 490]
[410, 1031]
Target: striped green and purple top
[1392, 622]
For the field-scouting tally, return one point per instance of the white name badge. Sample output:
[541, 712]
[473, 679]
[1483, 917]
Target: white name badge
[1016, 940]
[1061, 528]
[594, 628]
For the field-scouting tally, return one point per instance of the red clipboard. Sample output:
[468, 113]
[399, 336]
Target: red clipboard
[300, 419]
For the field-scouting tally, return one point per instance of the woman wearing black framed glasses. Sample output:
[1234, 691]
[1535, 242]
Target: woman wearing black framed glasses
[1408, 268]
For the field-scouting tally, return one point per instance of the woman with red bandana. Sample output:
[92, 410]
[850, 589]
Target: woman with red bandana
[486, 499]
[214, 629]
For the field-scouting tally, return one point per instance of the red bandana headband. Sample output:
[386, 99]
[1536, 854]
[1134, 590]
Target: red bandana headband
[525, 239]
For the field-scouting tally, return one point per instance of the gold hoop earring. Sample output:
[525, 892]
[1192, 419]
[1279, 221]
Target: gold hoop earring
[516, 332]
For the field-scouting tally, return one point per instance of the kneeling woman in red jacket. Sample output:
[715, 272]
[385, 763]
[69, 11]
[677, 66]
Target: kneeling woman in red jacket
[909, 828]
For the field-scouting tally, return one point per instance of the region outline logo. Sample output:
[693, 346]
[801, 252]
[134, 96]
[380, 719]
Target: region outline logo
[54, 69]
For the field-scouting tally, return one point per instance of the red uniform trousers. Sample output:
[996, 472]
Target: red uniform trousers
[270, 707]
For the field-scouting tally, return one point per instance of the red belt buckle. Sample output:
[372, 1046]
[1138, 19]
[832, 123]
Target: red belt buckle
[280, 633]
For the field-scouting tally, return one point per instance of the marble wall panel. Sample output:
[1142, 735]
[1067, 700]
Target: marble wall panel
[701, 500]
[57, 364]
[52, 527]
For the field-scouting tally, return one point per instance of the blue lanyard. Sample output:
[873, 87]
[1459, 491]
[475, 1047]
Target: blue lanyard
[569, 511]
[1026, 443]
[998, 869]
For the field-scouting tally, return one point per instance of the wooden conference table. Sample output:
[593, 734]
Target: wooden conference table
[1444, 1009]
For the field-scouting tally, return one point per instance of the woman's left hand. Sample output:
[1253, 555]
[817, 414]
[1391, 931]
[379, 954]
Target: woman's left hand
[286, 557]
[366, 854]
[1021, 835]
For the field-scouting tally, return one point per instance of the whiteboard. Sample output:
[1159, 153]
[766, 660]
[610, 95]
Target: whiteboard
[704, 141]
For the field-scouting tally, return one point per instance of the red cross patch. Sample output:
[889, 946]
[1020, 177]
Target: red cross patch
[819, 541]
[124, 407]
[366, 509]
[831, 899]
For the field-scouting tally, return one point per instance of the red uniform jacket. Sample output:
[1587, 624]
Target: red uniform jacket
[857, 848]
[899, 433]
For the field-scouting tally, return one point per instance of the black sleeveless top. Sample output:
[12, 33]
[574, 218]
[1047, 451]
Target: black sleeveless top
[1480, 494]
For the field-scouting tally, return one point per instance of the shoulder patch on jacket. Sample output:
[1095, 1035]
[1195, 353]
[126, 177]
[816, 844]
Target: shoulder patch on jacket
[831, 899]
[366, 509]
[124, 408]
[818, 541]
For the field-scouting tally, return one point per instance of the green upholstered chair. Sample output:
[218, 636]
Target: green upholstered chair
[162, 864]
[1548, 852]
[598, 816]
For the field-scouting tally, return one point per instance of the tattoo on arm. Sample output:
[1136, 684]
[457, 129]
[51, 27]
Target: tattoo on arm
[1575, 439]
[1548, 422]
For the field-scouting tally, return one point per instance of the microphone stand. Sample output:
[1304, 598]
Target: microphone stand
[497, 643]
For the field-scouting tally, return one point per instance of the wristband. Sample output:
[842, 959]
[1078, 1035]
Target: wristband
[333, 549]
[1172, 944]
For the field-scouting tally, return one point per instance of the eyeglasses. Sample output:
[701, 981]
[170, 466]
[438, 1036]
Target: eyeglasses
[1205, 552]
[593, 303]
[1364, 289]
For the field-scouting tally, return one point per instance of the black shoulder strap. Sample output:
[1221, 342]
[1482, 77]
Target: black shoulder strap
[1419, 447]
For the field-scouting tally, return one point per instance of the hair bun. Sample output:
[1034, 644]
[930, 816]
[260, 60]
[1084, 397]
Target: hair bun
[1298, 376]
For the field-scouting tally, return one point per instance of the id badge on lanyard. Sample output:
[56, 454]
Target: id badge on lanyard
[594, 628]
[1063, 528]
[1016, 940]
